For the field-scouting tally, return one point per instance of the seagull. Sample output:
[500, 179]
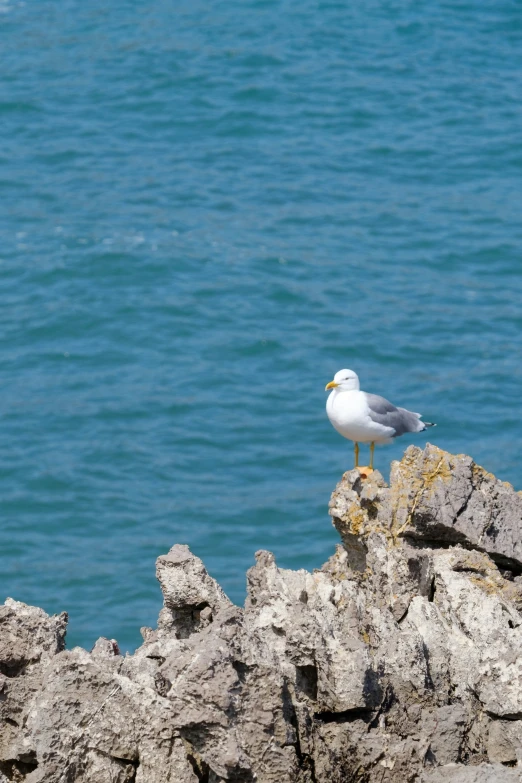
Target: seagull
[367, 418]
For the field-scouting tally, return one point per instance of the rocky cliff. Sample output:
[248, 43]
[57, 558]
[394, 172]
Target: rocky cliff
[399, 660]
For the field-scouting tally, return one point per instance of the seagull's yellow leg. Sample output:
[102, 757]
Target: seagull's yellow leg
[372, 449]
[366, 470]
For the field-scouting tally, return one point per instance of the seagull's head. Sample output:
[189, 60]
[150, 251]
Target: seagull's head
[344, 380]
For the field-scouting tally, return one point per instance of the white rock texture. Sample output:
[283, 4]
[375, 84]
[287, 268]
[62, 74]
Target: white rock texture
[399, 661]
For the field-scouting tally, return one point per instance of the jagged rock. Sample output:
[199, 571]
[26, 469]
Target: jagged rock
[28, 636]
[441, 497]
[190, 595]
[105, 648]
[399, 661]
[296, 620]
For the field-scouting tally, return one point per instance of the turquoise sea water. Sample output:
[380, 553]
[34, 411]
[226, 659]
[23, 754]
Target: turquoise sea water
[207, 210]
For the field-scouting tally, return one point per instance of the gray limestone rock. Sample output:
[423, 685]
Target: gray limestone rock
[504, 742]
[483, 773]
[28, 636]
[447, 498]
[399, 661]
[190, 595]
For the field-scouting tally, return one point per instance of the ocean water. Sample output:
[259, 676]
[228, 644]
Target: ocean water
[207, 210]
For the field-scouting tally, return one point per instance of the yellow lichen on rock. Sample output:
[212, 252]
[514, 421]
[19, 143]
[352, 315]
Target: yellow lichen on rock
[357, 519]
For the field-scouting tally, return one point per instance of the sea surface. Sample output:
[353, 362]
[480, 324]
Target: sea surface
[206, 210]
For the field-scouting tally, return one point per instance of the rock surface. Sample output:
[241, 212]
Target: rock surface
[399, 661]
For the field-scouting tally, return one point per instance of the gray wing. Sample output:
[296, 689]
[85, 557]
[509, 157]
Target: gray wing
[383, 412]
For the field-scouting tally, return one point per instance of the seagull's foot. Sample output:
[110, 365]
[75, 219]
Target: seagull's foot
[364, 470]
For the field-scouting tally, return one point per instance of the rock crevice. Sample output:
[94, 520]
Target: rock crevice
[399, 661]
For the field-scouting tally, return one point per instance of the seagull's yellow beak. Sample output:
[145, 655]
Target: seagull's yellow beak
[331, 385]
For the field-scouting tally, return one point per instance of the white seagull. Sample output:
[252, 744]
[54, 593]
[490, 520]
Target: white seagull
[367, 418]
